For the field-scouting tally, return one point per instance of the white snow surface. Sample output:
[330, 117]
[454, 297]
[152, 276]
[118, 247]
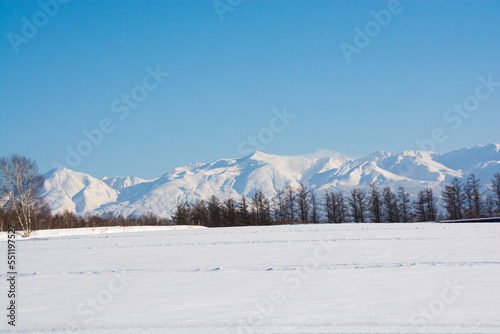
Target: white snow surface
[414, 170]
[349, 278]
[67, 232]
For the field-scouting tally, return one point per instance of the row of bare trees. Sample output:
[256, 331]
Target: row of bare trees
[374, 205]
[216, 213]
[467, 199]
[42, 219]
[302, 206]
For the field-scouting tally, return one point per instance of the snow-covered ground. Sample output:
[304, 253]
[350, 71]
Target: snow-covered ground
[66, 232]
[278, 279]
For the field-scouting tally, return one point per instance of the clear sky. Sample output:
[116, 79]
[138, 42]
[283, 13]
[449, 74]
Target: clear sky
[86, 66]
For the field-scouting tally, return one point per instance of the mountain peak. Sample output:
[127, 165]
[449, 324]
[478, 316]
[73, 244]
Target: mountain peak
[58, 171]
[379, 155]
[259, 156]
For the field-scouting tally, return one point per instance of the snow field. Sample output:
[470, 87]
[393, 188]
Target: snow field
[276, 279]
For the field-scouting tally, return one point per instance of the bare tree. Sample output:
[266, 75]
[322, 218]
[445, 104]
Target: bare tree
[330, 207]
[314, 208]
[243, 212]
[357, 202]
[335, 207]
[453, 198]
[390, 207]
[200, 213]
[489, 207]
[152, 220]
[495, 188]
[21, 189]
[375, 204]
[425, 205]
[303, 203]
[290, 203]
[182, 214]
[214, 212]
[280, 207]
[342, 207]
[404, 205]
[419, 206]
[229, 212]
[261, 209]
[430, 204]
[474, 197]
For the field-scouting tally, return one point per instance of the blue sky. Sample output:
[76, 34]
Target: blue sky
[228, 71]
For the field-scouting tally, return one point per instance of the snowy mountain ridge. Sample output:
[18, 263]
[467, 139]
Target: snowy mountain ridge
[414, 170]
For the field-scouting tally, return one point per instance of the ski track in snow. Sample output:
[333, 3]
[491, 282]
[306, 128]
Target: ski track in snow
[335, 266]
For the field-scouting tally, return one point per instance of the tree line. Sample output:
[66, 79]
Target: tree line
[43, 219]
[464, 200]
[460, 200]
[22, 204]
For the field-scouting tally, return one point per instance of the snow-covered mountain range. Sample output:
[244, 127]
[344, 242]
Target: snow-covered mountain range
[414, 170]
